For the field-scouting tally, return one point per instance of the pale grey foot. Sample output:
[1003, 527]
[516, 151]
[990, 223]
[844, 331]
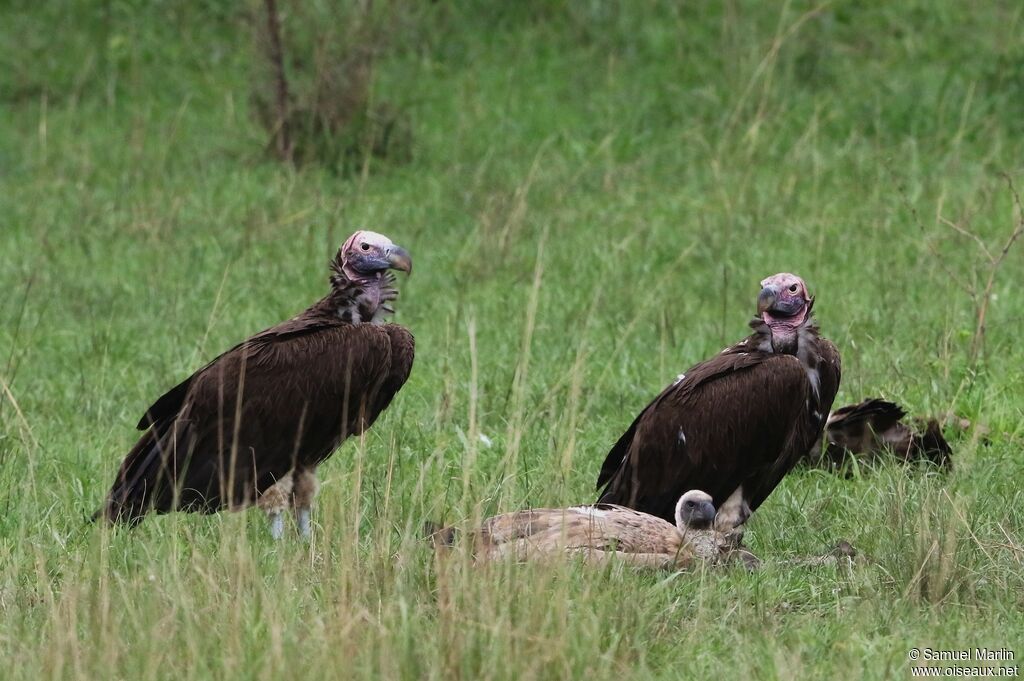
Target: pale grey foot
[304, 491]
[276, 525]
[302, 517]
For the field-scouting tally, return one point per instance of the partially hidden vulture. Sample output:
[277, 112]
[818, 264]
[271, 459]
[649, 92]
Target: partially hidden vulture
[735, 424]
[604, 532]
[873, 428]
[253, 425]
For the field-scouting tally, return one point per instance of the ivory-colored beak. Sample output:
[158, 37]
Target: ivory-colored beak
[399, 259]
[766, 299]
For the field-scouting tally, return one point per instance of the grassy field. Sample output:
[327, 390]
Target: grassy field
[593, 193]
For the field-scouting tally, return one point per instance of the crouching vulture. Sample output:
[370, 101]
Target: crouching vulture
[873, 428]
[605, 532]
[252, 425]
[735, 424]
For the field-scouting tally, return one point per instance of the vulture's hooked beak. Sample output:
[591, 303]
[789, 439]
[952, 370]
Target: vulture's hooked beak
[399, 259]
[705, 514]
[766, 300]
[695, 514]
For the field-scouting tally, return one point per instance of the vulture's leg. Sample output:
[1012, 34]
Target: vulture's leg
[274, 501]
[732, 515]
[305, 490]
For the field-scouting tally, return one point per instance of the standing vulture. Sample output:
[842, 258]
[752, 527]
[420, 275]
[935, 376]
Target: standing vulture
[603, 532]
[253, 424]
[735, 424]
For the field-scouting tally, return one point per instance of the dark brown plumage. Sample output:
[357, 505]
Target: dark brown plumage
[253, 424]
[735, 424]
[873, 428]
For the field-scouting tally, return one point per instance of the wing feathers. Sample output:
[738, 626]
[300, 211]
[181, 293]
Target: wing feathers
[727, 421]
[288, 395]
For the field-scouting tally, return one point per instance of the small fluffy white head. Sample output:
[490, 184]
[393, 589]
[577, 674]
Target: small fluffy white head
[695, 510]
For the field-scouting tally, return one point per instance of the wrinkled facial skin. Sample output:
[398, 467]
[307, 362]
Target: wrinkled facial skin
[366, 254]
[695, 510]
[783, 300]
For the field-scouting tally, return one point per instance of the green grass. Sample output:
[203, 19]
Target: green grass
[595, 191]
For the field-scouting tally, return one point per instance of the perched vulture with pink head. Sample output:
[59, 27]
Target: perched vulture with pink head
[735, 424]
[252, 425]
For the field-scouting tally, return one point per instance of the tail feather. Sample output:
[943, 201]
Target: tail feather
[143, 483]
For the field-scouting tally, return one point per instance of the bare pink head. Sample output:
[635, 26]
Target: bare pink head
[367, 255]
[784, 304]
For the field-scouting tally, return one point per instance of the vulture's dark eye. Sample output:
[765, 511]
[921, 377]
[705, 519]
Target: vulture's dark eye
[690, 504]
[792, 289]
[365, 247]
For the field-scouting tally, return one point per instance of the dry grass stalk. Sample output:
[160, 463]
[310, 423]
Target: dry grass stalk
[980, 296]
[275, 54]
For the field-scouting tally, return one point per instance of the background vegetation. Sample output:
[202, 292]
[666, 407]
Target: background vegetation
[591, 192]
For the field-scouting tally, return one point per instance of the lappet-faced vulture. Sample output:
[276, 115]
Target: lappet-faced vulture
[252, 425]
[735, 424]
[604, 532]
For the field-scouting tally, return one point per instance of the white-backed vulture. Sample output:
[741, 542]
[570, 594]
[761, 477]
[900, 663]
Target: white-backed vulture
[605, 532]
